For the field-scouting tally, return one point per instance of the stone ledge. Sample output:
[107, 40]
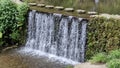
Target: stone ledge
[69, 9]
[32, 4]
[41, 5]
[91, 13]
[49, 6]
[59, 8]
[81, 11]
[105, 15]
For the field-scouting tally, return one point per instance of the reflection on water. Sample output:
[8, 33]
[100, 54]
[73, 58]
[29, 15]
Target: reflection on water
[16, 59]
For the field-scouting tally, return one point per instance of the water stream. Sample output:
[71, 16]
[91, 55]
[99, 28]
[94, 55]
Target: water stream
[56, 34]
[54, 41]
[18, 58]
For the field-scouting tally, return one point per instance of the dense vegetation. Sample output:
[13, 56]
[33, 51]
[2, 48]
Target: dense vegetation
[115, 63]
[12, 23]
[103, 35]
[112, 58]
[105, 6]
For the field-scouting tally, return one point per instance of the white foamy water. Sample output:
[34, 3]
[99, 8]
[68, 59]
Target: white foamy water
[51, 57]
[56, 36]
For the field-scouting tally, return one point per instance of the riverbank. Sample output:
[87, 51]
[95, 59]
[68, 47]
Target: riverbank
[89, 65]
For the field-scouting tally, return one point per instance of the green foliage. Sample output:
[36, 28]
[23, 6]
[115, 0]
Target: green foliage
[115, 63]
[22, 9]
[108, 8]
[115, 54]
[12, 20]
[69, 66]
[103, 35]
[99, 58]
[7, 15]
[0, 34]
[15, 35]
[112, 58]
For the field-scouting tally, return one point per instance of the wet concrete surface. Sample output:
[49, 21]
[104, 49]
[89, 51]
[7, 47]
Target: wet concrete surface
[14, 59]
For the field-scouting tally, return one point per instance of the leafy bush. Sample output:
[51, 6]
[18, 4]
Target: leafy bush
[115, 54]
[112, 58]
[69, 66]
[99, 58]
[103, 35]
[12, 20]
[115, 63]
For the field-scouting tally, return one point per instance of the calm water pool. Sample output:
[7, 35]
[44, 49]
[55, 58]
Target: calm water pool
[15, 59]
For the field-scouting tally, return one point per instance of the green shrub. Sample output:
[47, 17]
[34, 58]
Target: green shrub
[103, 35]
[115, 54]
[12, 21]
[99, 58]
[115, 63]
[69, 66]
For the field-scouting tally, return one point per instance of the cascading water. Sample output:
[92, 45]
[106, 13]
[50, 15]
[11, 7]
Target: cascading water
[63, 36]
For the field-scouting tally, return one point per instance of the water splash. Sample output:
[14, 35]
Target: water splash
[58, 35]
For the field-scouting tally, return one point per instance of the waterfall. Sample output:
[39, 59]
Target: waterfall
[57, 34]
[96, 1]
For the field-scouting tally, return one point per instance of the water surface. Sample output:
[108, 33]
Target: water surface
[17, 59]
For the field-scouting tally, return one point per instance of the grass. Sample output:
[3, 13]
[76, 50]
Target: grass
[114, 63]
[112, 59]
[115, 54]
[99, 58]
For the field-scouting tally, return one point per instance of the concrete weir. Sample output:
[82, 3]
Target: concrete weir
[75, 11]
[54, 39]
[58, 35]
[65, 38]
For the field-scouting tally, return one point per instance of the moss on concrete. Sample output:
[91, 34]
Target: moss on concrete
[75, 14]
